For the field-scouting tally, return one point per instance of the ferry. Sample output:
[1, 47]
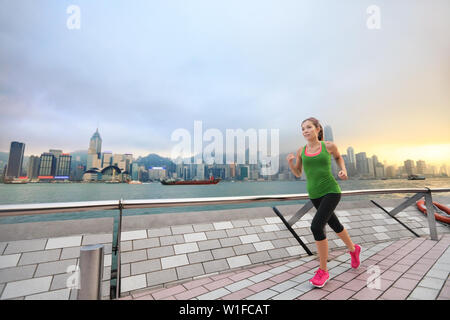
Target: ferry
[415, 177]
[212, 180]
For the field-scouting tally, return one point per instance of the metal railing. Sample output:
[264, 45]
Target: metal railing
[47, 208]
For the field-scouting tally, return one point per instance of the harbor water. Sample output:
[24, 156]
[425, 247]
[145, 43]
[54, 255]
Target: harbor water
[69, 192]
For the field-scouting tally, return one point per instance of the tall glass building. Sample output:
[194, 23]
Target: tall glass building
[47, 167]
[15, 160]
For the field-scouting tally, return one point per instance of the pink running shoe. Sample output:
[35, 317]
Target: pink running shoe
[355, 256]
[320, 278]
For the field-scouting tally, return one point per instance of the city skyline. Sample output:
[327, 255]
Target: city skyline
[139, 72]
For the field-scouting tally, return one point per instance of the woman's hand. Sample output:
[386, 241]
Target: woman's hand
[343, 175]
[290, 157]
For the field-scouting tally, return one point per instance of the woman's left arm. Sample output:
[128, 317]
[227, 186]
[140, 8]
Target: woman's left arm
[339, 160]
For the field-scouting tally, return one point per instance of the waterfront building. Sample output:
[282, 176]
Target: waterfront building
[15, 160]
[135, 171]
[351, 155]
[421, 167]
[391, 172]
[362, 164]
[156, 173]
[200, 174]
[94, 151]
[107, 159]
[47, 166]
[33, 167]
[379, 170]
[63, 166]
[410, 168]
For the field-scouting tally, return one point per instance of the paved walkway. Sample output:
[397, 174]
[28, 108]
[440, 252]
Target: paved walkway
[412, 269]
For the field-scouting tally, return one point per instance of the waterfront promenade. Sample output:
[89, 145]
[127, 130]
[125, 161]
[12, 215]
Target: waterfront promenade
[233, 254]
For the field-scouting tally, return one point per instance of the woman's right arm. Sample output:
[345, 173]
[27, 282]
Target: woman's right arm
[297, 167]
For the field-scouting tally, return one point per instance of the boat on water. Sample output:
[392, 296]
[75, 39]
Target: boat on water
[442, 212]
[21, 180]
[415, 177]
[169, 182]
[134, 182]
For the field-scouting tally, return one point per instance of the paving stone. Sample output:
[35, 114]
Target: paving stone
[159, 232]
[193, 237]
[174, 261]
[186, 248]
[61, 281]
[433, 283]
[9, 260]
[244, 249]
[26, 287]
[201, 256]
[240, 223]
[216, 265]
[278, 253]
[160, 277]
[190, 271]
[133, 283]
[219, 234]
[223, 225]
[239, 285]
[170, 240]
[421, 293]
[17, 273]
[133, 256]
[258, 222]
[223, 253]
[159, 252]
[25, 246]
[263, 246]
[249, 238]
[96, 239]
[238, 261]
[145, 266]
[229, 242]
[70, 253]
[182, 229]
[235, 232]
[39, 256]
[51, 268]
[146, 243]
[203, 227]
[209, 244]
[259, 257]
[63, 242]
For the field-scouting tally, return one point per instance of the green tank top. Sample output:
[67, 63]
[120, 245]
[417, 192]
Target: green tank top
[319, 179]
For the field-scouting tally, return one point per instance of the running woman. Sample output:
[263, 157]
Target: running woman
[324, 192]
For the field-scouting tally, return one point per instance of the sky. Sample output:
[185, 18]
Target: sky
[139, 70]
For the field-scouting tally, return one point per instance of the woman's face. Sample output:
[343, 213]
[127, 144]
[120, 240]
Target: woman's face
[309, 130]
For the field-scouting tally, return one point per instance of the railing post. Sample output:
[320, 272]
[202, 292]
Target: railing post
[115, 265]
[430, 215]
[91, 272]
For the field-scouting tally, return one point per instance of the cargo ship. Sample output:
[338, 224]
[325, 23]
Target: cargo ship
[415, 177]
[170, 182]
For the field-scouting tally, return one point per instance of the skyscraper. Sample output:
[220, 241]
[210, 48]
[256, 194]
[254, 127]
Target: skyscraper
[94, 151]
[33, 167]
[362, 164]
[15, 159]
[328, 136]
[410, 168]
[328, 133]
[63, 166]
[47, 167]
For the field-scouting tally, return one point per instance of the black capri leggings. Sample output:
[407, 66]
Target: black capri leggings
[325, 206]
